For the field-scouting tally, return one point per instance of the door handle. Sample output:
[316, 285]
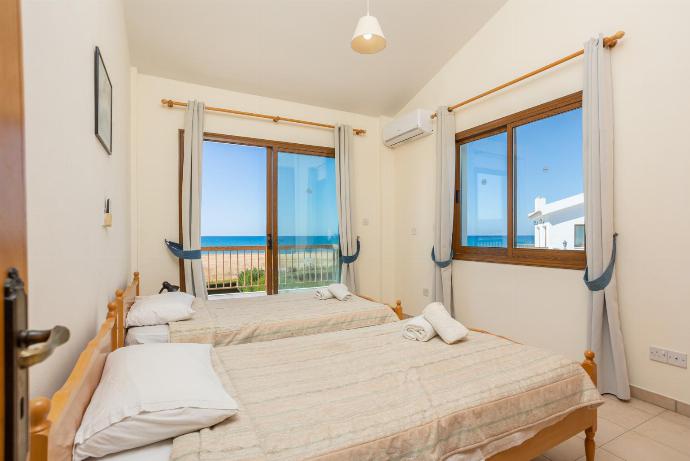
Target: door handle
[37, 345]
[23, 348]
[269, 241]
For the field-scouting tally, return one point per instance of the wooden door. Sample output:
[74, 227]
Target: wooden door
[12, 194]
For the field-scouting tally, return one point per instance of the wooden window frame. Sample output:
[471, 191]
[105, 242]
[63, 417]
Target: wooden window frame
[565, 259]
[272, 150]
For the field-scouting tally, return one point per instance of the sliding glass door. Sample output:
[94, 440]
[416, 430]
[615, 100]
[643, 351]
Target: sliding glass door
[308, 247]
[233, 218]
[269, 216]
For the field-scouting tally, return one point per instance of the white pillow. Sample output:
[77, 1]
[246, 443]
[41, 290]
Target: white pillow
[152, 334]
[152, 392]
[160, 309]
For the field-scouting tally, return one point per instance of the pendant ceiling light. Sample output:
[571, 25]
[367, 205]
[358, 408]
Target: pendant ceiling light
[368, 37]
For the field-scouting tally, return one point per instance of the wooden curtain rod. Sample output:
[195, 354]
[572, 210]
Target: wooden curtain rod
[275, 118]
[609, 42]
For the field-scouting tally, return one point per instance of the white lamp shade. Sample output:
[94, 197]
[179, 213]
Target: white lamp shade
[368, 37]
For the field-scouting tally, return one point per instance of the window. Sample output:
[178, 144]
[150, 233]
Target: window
[483, 170]
[519, 188]
[269, 218]
[579, 237]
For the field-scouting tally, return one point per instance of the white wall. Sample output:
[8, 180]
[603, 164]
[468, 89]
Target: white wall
[155, 160]
[547, 307]
[75, 264]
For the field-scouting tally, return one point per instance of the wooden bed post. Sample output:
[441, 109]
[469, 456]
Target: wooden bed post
[137, 282]
[112, 314]
[398, 309]
[591, 368]
[120, 317]
[39, 427]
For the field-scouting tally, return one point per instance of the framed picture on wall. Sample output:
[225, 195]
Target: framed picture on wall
[103, 91]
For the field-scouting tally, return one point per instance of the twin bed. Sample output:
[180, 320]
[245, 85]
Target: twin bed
[356, 394]
[223, 322]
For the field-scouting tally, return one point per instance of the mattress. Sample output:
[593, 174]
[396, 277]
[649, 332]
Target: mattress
[263, 318]
[159, 451]
[369, 394]
[153, 334]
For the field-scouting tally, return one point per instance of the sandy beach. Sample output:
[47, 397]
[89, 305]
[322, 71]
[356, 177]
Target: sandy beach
[223, 267]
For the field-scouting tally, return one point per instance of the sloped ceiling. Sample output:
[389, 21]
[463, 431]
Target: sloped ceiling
[299, 50]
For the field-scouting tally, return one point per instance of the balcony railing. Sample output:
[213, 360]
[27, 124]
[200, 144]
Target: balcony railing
[238, 269]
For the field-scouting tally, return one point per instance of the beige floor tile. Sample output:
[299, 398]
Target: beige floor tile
[631, 431]
[670, 429]
[624, 414]
[677, 418]
[570, 450]
[603, 455]
[606, 431]
[632, 446]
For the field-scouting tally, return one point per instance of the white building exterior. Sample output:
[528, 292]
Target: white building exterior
[559, 225]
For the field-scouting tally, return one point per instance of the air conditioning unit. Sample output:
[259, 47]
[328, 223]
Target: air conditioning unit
[412, 125]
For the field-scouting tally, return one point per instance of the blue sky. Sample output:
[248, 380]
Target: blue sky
[234, 192]
[548, 164]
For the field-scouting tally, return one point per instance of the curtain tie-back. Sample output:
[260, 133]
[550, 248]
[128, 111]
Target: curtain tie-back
[604, 279]
[353, 258]
[441, 264]
[176, 249]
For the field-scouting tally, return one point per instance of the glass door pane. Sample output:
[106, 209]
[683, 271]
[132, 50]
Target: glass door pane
[307, 241]
[233, 218]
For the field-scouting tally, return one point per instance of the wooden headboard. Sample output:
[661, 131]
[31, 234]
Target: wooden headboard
[55, 422]
[122, 303]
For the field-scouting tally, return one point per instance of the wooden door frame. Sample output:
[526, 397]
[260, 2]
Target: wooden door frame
[272, 150]
[12, 184]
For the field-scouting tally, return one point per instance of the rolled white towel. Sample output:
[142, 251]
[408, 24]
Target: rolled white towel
[323, 293]
[449, 329]
[418, 329]
[340, 291]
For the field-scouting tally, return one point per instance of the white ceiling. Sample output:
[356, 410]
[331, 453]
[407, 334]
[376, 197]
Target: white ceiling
[299, 50]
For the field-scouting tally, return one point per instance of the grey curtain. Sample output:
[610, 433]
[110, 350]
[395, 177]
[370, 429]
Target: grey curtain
[604, 335]
[191, 197]
[343, 162]
[443, 220]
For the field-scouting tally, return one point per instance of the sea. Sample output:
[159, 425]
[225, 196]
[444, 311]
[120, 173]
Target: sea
[260, 240]
[499, 241]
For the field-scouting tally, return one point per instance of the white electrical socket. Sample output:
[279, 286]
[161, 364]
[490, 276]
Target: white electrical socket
[677, 359]
[658, 354]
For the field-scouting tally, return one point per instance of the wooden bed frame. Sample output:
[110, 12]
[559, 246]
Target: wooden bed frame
[54, 422]
[122, 304]
[397, 308]
[124, 300]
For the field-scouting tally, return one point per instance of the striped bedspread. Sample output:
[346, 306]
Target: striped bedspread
[369, 394]
[263, 318]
